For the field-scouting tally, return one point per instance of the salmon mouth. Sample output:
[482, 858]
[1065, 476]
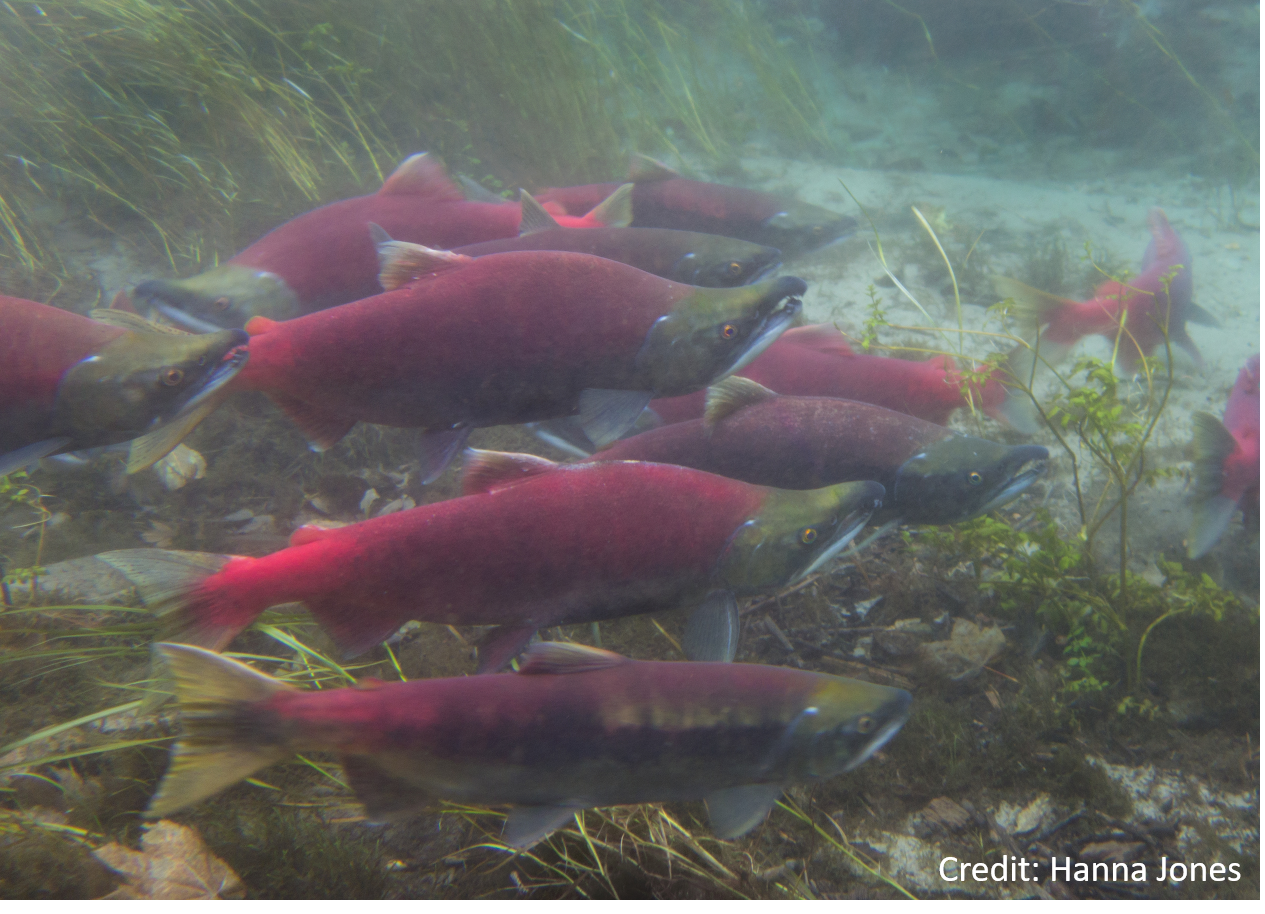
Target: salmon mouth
[851, 524]
[786, 308]
[233, 361]
[1029, 465]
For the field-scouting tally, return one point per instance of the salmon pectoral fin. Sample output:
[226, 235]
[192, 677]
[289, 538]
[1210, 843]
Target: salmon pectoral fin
[1197, 315]
[384, 795]
[436, 449]
[323, 429]
[606, 414]
[711, 633]
[25, 456]
[526, 825]
[734, 811]
[355, 627]
[503, 644]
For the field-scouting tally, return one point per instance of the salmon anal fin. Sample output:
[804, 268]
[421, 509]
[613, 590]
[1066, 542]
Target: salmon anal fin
[322, 429]
[483, 471]
[563, 657]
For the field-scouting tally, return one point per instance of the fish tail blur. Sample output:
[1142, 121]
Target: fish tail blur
[1010, 403]
[1034, 309]
[173, 586]
[218, 746]
[1213, 444]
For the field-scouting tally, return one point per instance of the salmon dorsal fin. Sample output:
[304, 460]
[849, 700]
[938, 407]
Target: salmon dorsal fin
[422, 175]
[310, 533]
[729, 396]
[535, 217]
[127, 320]
[563, 657]
[642, 168]
[401, 262]
[616, 211]
[820, 338]
[483, 471]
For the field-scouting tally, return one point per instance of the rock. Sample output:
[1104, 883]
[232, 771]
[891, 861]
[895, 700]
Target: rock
[181, 466]
[945, 815]
[1111, 851]
[968, 650]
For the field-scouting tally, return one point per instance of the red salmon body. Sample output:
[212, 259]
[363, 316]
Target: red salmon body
[663, 199]
[1157, 302]
[571, 544]
[816, 361]
[505, 338]
[1227, 462]
[327, 257]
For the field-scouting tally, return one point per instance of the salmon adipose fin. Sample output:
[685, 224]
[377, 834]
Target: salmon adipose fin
[219, 747]
[711, 632]
[169, 584]
[1213, 445]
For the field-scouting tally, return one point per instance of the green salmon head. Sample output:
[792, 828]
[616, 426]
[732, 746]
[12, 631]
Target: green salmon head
[139, 381]
[846, 722]
[961, 477]
[724, 263]
[794, 534]
[802, 227]
[711, 333]
[226, 296]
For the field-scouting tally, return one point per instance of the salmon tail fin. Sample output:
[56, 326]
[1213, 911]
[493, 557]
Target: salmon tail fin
[1033, 308]
[219, 745]
[1213, 444]
[171, 585]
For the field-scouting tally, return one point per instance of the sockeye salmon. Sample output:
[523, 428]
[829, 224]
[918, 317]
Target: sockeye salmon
[325, 257]
[663, 199]
[932, 475]
[458, 343]
[70, 383]
[1227, 461]
[1157, 300]
[532, 544]
[692, 258]
[816, 361]
[574, 728]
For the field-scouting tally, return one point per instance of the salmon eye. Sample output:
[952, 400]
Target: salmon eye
[808, 536]
[729, 331]
[865, 724]
[173, 376]
[734, 268]
[221, 303]
[974, 478]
